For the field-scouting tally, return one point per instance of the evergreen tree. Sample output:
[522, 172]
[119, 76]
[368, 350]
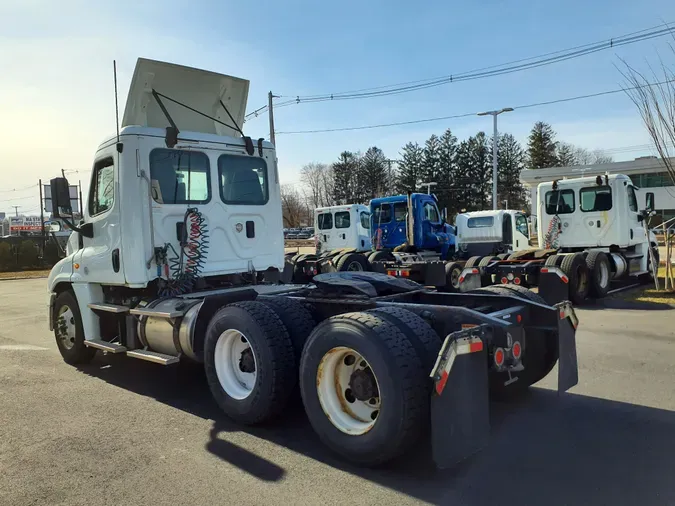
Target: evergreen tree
[480, 171]
[566, 155]
[447, 172]
[431, 164]
[345, 178]
[473, 167]
[374, 167]
[541, 147]
[409, 168]
[510, 162]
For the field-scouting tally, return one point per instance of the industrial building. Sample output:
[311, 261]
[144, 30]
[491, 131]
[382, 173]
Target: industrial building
[647, 173]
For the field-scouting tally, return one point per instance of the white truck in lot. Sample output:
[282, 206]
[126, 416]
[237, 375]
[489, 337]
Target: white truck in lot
[178, 257]
[592, 230]
[342, 242]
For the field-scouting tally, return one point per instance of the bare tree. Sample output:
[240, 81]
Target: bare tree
[292, 206]
[656, 102]
[318, 181]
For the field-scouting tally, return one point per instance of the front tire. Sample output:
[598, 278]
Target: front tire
[453, 271]
[249, 362]
[364, 388]
[68, 330]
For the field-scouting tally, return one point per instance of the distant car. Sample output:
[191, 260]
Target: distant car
[293, 233]
[304, 235]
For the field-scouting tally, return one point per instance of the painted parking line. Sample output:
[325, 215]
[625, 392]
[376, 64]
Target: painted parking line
[21, 347]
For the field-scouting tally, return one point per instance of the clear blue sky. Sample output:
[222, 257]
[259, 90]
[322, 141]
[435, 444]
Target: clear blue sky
[56, 88]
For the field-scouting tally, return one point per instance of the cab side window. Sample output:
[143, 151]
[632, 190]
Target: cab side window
[521, 225]
[102, 192]
[632, 200]
[365, 219]
[431, 213]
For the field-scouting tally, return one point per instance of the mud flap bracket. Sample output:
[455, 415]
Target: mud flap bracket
[460, 412]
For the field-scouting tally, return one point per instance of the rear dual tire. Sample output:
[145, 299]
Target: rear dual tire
[365, 386]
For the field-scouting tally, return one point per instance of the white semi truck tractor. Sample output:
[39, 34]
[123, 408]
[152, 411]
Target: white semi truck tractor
[178, 257]
[591, 230]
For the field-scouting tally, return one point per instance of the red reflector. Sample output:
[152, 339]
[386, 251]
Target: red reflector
[461, 279]
[405, 274]
[516, 350]
[391, 273]
[440, 385]
[565, 279]
[504, 281]
[519, 318]
[476, 347]
[562, 314]
[516, 281]
[499, 357]
[543, 269]
[474, 271]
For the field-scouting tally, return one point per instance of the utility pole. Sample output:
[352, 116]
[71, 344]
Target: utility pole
[428, 185]
[42, 218]
[270, 108]
[16, 210]
[495, 140]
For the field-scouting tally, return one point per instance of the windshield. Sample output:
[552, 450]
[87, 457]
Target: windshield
[381, 214]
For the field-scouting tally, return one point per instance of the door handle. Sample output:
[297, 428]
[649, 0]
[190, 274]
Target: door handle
[116, 260]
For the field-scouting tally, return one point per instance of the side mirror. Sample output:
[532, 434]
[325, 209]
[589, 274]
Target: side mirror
[60, 198]
[649, 199]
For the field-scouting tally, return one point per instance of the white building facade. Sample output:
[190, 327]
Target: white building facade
[647, 173]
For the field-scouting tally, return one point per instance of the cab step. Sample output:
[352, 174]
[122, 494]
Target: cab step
[105, 346]
[108, 308]
[153, 356]
[157, 314]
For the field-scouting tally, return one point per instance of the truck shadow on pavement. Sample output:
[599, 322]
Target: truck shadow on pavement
[543, 449]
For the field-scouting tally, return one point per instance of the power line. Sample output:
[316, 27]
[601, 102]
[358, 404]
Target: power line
[494, 70]
[466, 115]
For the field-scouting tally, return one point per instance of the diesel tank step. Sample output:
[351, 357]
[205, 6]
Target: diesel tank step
[153, 356]
[105, 346]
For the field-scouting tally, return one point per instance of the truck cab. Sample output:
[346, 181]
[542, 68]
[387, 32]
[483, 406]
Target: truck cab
[175, 195]
[340, 227]
[591, 212]
[392, 226]
[483, 233]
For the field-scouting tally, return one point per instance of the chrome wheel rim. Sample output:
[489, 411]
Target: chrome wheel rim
[65, 327]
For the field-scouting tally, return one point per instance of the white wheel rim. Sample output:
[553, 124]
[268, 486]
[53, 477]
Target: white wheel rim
[347, 413]
[454, 277]
[604, 275]
[233, 346]
[65, 327]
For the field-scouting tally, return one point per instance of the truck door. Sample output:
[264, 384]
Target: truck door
[342, 229]
[598, 215]
[100, 258]
[324, 224]
[507, 232]
[636, 234]
[430, 225]
[363, 231]
[521, 236]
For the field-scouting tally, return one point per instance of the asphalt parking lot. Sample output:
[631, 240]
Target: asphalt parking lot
[125, 432]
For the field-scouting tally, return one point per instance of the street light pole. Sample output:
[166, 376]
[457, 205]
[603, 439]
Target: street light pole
[495, 140]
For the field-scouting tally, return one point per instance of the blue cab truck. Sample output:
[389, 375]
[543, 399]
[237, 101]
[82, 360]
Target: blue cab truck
[422, 249]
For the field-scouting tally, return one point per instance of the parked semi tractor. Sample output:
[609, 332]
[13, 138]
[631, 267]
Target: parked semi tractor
[342, 243]
[414, 241]
[178, 258]
[592, 229]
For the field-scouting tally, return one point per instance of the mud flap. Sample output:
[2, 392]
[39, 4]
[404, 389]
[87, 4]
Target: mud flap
[470, 279]
[568, 368]
[553, 285]
[460, 412]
